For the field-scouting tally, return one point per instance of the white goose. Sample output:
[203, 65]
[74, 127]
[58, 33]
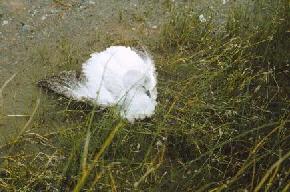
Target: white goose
[118, 76]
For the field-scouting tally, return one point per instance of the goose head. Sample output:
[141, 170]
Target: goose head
[139, 100]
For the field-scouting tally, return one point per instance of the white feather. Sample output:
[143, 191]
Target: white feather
[122, 77]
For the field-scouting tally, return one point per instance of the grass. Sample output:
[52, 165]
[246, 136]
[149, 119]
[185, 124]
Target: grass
[222, 122]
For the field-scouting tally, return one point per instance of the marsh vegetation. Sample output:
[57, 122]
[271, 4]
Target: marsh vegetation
[222, 121]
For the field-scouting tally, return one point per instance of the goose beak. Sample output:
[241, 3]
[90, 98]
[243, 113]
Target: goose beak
[148, 93]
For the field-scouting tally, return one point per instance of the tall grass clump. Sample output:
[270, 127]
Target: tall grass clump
[222, 122]
[234, 103]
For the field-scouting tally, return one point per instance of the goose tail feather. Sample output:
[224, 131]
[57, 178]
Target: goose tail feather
[63, 84]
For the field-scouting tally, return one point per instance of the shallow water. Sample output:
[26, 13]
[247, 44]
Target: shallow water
[33, 35]
[31, 30]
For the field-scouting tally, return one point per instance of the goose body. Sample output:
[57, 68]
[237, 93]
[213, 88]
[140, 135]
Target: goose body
[118, 76]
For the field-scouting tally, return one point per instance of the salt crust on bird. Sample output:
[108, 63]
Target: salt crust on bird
[118, 76]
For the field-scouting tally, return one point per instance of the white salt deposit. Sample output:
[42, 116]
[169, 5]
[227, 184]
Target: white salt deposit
[120, 76]
[202, 18]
